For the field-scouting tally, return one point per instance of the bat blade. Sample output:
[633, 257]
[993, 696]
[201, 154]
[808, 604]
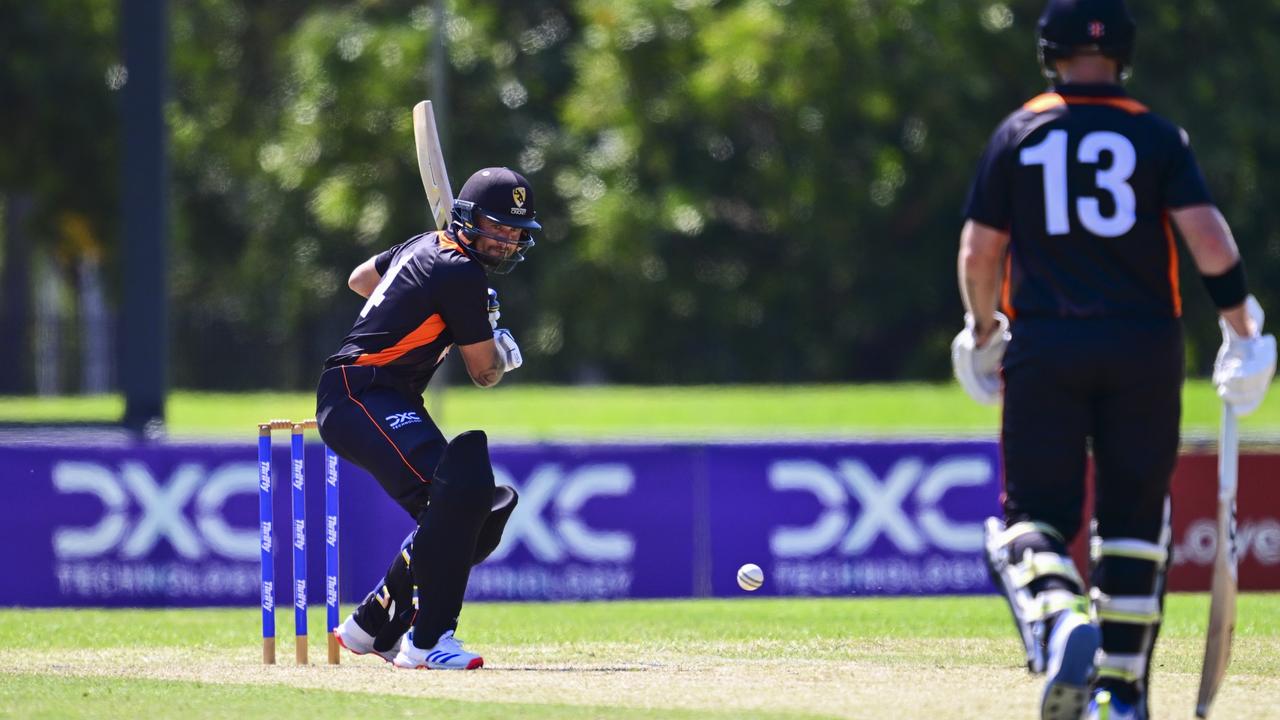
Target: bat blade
[435, 178]
[1222, 601]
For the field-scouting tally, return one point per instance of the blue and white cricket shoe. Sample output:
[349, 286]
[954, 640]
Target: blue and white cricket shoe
[354, 638]
[446, 655]
[1073, 644]
[1105, 706]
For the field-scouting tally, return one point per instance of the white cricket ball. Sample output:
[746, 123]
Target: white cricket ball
[750, 577]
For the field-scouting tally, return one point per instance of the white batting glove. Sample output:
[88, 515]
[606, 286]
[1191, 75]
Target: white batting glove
[978, 368]
[1245, 365]
[493, 309]
[507, 349]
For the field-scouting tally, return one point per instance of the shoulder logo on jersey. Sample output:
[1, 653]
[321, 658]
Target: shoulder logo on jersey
[519, 195]
[1097, 29]
[399, 420]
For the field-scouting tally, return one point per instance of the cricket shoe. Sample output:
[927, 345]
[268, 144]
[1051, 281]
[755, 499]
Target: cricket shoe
[446, 655]
[354, 638]
[1073, 643]
[1106, 706]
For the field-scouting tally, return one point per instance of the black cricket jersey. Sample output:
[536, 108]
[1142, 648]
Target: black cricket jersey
[432, 295]
[1083, 178]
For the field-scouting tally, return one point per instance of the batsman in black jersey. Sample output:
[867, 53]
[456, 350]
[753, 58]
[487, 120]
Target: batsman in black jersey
[1069, 230]
[427, 296]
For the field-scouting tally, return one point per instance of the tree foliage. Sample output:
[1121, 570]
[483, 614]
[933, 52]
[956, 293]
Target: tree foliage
[318, 172]
[733, 190]
[57, 118]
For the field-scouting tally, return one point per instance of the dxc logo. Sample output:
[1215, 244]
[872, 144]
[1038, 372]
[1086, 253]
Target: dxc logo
[161, 509]
[399, 420]
[881, 506]
[564, 494]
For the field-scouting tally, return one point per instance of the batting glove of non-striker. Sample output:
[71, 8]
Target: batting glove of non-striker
[978, 368]
[1245, 365]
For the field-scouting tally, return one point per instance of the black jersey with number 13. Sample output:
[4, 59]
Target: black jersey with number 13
[1083, 178]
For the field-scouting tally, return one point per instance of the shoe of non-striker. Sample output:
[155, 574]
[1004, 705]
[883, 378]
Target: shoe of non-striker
[1106, 706]
[1073, 644]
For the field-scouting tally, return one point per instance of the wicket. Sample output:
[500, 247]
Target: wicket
[266, 523]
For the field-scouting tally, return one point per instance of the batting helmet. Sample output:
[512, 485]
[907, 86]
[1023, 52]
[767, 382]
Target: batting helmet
[1085, 27]
[504, 197]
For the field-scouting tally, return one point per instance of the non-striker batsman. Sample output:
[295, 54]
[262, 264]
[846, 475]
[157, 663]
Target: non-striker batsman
[426, 296]
[1069, 232]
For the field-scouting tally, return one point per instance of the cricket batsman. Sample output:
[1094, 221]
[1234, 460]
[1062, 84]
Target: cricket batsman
[1069, 231]
[426, 296]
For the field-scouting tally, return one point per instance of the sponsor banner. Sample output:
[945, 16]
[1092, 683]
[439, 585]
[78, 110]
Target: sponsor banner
[1195, 522]
[852, 518]
[167, 524]
[1194, 490]
[177, 524]
[594, 522]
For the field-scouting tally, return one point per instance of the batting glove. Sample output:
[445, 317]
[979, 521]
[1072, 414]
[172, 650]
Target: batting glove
[507, 349]
[1245, 365]
[978, 368]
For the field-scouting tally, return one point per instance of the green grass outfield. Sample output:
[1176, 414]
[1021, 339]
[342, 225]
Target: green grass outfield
[515, 411]
[949, 658]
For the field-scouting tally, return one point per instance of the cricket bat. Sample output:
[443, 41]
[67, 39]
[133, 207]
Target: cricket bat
[435, 178]
[1222, 601]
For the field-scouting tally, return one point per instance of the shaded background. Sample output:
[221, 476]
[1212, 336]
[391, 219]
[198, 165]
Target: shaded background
[733, 191]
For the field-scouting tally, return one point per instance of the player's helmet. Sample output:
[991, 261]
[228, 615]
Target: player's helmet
[1086, 27]
[504, 197]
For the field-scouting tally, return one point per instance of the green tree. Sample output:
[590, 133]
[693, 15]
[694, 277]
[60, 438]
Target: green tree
[58, 170]
[779, 184]
[733, 190]
[286, 193]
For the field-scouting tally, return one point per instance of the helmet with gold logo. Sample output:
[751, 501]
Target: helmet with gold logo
[502, 197]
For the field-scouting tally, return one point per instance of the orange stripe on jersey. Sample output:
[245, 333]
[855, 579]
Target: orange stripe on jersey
[429, 330]
[1006, 287]
[1129, 105]
[1043, 102]
[448, 244]
[1048, 101]
[1174, 285]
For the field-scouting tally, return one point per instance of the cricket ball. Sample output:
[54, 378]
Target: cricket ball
[750, 577]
